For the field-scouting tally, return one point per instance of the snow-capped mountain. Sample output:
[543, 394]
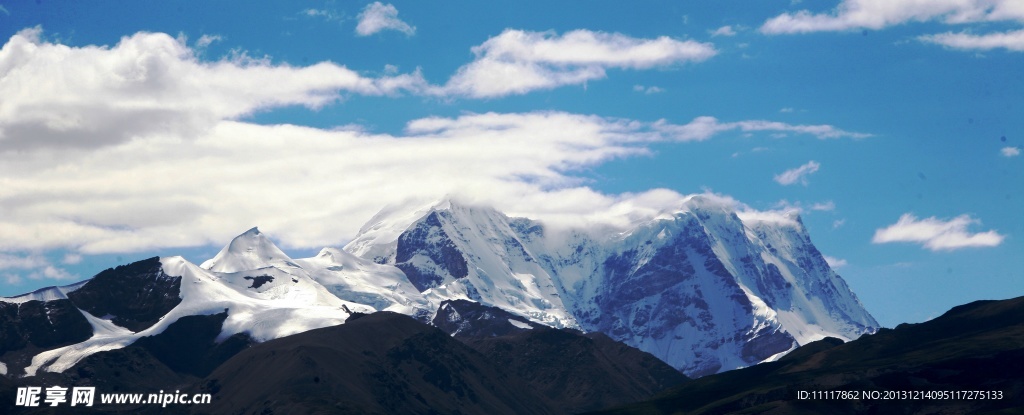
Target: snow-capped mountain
[703, 288]
[700, 288]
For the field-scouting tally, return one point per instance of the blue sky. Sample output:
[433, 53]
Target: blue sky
[131, 129]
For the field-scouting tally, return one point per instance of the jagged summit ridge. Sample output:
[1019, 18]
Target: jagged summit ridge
[703, 287]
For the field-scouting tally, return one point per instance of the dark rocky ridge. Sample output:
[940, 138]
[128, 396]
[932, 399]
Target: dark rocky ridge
[973, 347]
[34, 326]
[468, 319]
[136, 295]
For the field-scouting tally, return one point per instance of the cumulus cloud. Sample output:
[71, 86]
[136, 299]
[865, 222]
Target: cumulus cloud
[1010, 151]
[937, 234]
[798, 174]
[517, 62]
[378, 16]
[878, 14]
[55, 95]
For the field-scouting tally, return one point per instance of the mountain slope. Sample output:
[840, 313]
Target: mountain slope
[378, 364]
[973, 347]
[576, 372]
[700, 287]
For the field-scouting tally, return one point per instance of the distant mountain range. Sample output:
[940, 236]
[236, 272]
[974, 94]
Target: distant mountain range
[703, 288]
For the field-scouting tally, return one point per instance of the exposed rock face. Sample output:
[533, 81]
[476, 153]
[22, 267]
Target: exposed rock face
[33, 326]
[700, 288]
[135, 296]
[427, 255]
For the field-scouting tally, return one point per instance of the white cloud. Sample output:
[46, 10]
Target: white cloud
[824, 206]
[1010, 151]
[329, 15]
[207, 40]
[648, 90]
[936, 234]
[702, 128]
[878, 14]
[517, 62]
[32, 266]
[834, 262]
[4, 10]
[786, 110]
[723, 31]
[838, 223]
[166, 191]
[163, 185]
[150, 83]
[378, 16]
[798, 174]
[72, 259]
[1013, 41]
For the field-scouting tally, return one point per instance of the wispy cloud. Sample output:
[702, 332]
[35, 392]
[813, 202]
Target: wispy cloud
[723, 31]
[517, 62]
[1013, 40]
[207, 40]
[325, 14]
[937, 234]
[16, 268]
[1010, 151]
[648, 90]
[834, 262]
[874, 14]
[824, 206]
[702, 128]
[4, 10]
[378, 16]
[798, 174]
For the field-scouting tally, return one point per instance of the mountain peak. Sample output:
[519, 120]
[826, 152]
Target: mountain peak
[248, 251]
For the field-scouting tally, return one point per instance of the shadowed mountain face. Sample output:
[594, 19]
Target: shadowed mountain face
[383, 363]
[135, 296]
[576, 372]
[30, 327]
[973, 347]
